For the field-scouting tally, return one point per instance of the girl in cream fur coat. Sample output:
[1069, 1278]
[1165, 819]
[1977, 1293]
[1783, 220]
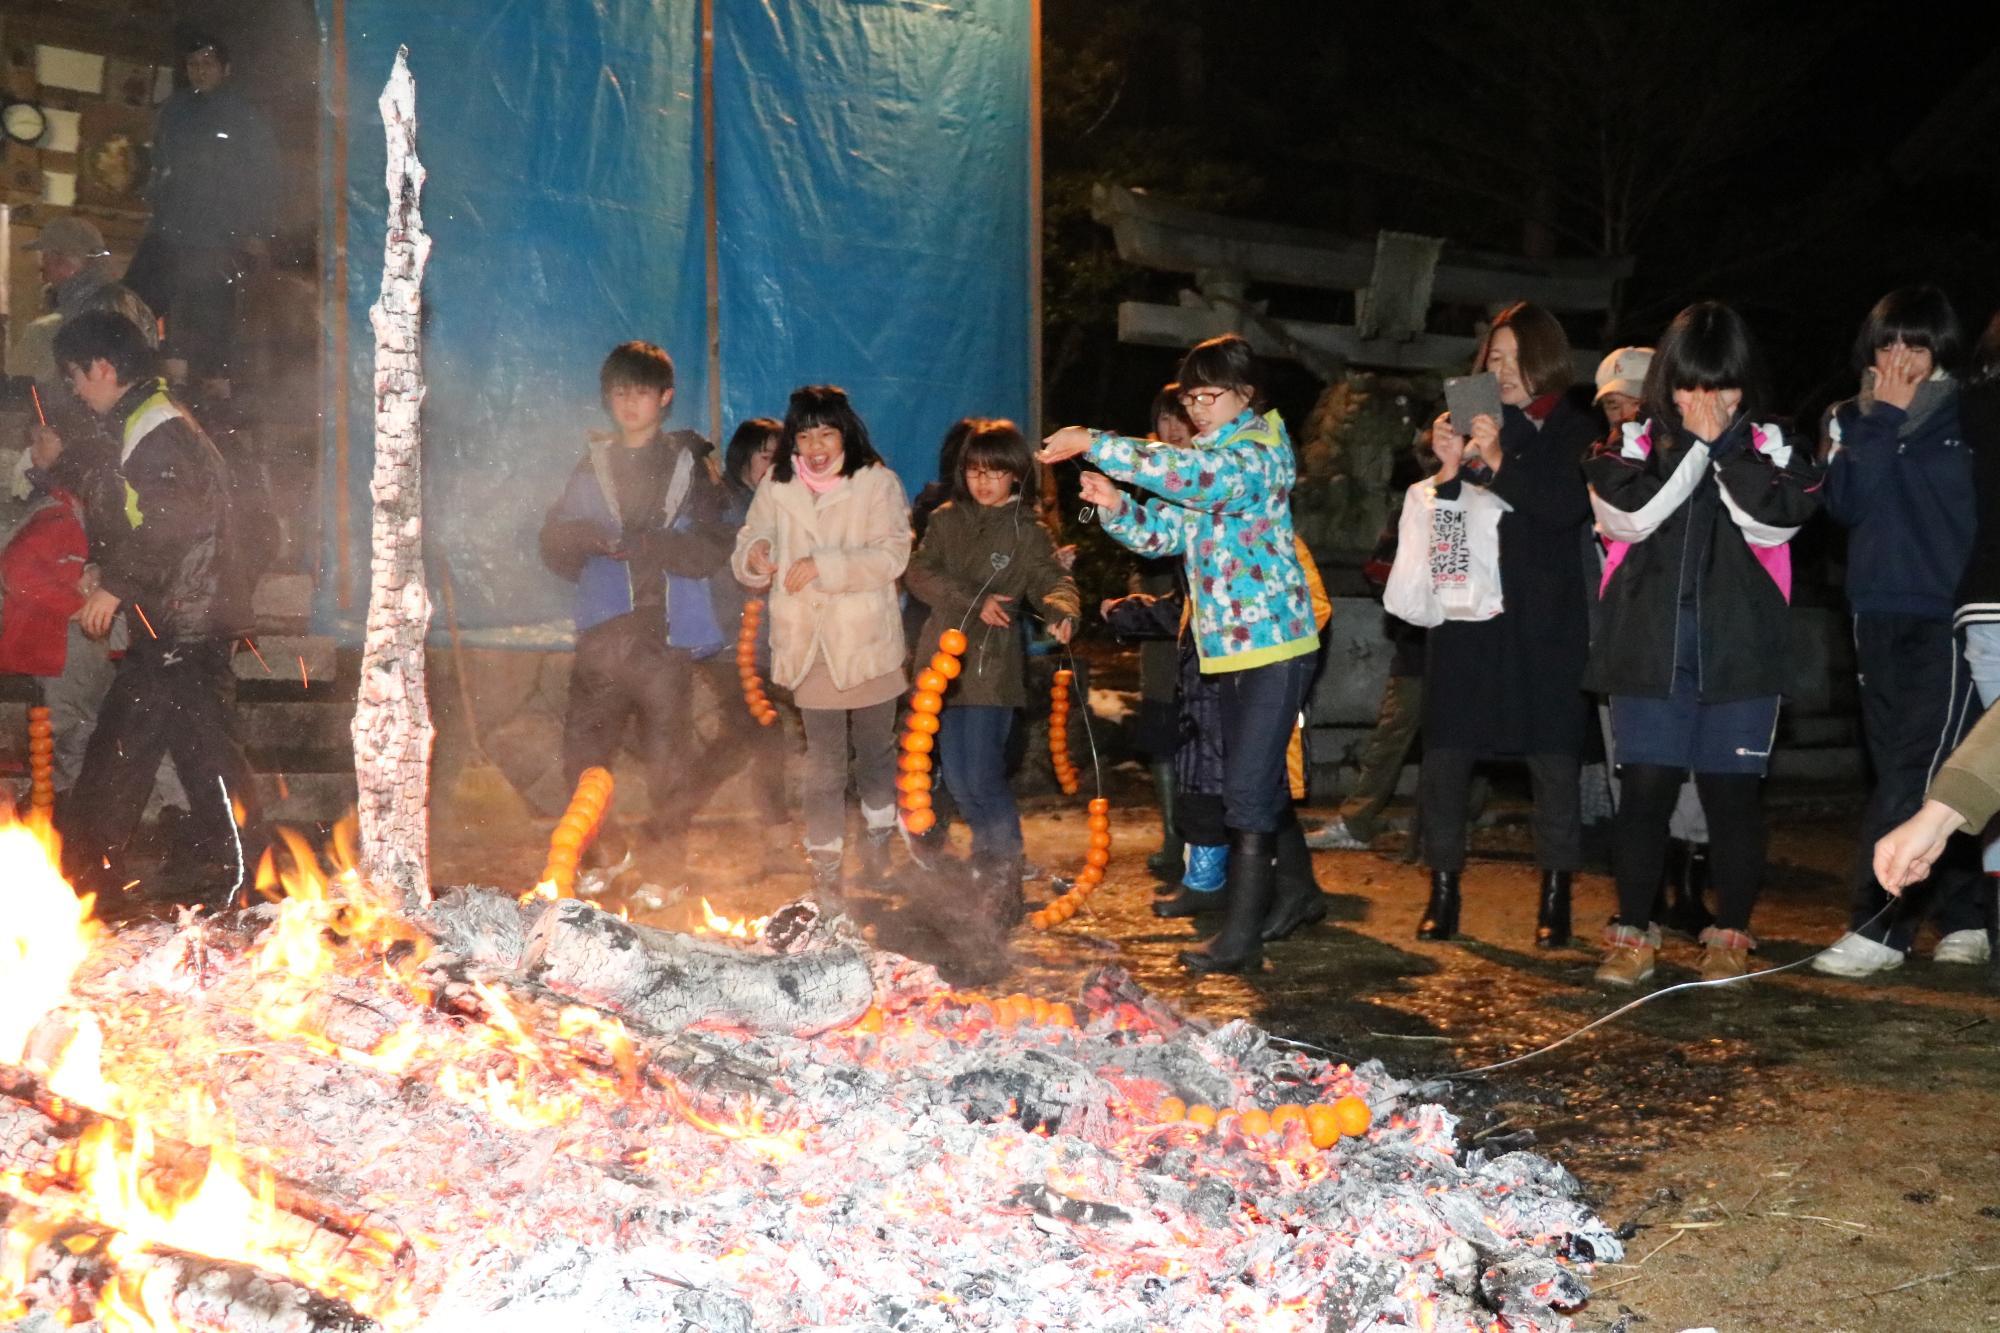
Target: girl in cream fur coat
[828, 534]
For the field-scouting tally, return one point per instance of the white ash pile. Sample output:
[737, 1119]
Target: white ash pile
[454, 1132]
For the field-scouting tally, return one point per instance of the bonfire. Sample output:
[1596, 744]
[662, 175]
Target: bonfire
[325, 1112]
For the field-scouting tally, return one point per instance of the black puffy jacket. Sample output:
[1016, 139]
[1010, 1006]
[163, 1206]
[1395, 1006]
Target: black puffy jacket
[162, 524]
[1696, 577]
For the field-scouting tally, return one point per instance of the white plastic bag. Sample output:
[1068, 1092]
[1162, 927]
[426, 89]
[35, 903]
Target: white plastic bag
[1447, 557]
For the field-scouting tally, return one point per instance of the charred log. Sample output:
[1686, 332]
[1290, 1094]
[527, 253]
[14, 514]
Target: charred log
[392, 720]
[668, 982]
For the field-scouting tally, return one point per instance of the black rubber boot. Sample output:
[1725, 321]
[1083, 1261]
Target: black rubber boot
[1299, 901]
[1253, 884]
[1685, 912]
[1552, 912]
[1186, 902]
[1165, 864]
[1441, 916]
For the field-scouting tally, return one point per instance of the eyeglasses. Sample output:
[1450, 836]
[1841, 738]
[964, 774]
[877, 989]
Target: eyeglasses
[988, 474]
[1203, 397]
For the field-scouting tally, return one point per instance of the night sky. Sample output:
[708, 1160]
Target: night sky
[1300, 113]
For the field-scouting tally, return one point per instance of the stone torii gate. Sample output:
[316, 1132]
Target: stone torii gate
[1396, 279]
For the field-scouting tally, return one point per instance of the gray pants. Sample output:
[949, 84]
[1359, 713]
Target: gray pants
[73, 699]
[870, 733]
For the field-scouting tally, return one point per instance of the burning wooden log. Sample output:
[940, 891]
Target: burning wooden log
[669, 982]
[42, 1168]
[168, 1290]
[392, 723]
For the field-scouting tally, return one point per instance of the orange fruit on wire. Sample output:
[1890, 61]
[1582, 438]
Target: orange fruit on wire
[953, 641]
[1097, 858]
[1099, 823]
[914, 763]
[1323, 1125]
[927, 701]
[946, 665]
[916, 742]
[917, 800]
[931, 679]
[914, 782]
[1351, 1114]
[926, 723]
[1099, 805]
[1100, 837]
[919, 821]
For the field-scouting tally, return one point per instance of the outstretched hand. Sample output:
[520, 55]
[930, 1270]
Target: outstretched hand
[1904, 855]
[1065, 444]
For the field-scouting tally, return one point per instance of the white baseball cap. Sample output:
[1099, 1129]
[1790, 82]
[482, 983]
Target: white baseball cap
[1623, 371]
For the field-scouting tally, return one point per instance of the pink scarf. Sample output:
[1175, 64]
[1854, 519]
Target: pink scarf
[819, 484]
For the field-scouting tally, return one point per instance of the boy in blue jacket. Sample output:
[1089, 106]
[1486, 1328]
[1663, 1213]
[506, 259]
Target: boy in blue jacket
[1899, 478]
[639, 529]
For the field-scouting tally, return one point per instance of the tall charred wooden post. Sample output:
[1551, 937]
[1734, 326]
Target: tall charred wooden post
[392, 720]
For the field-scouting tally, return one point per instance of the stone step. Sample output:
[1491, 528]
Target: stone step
[283, 602]
[305, 798]
[301, 659]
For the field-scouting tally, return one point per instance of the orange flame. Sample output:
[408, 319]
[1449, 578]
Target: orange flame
[740, 928]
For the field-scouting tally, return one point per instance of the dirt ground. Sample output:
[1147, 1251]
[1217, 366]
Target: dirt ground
[1798, 1153]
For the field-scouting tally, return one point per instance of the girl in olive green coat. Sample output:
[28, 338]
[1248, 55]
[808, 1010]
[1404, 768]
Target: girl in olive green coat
[983, 559]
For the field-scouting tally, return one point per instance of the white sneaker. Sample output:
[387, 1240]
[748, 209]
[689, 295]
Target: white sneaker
[1855, 955]
[1963, 946]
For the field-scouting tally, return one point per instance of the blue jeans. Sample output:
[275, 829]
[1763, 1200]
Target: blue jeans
[1260, 706]
[973, 753]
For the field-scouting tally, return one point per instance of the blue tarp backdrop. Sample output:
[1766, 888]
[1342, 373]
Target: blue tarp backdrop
[872, 223]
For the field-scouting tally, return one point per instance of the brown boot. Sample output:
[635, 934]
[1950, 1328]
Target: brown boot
[1725, 954]
[1629, 957]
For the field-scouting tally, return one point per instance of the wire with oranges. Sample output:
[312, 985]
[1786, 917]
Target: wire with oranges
[575, 830]
[1324, 1123]
[754, 697]
[1097, 853]
[920, 729]
[41, 762]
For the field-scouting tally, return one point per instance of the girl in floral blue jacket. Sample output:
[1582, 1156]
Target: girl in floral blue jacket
[1223, 504]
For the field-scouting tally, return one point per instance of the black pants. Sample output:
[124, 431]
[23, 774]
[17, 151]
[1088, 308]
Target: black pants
[625, 668]
[1734, 803]
[1915, 707]
[203, 283]
[1444, 794]
[167, 698]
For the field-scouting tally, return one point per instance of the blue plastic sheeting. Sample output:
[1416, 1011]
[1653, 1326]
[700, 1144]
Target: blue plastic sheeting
[872, 206]
[873, 200]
